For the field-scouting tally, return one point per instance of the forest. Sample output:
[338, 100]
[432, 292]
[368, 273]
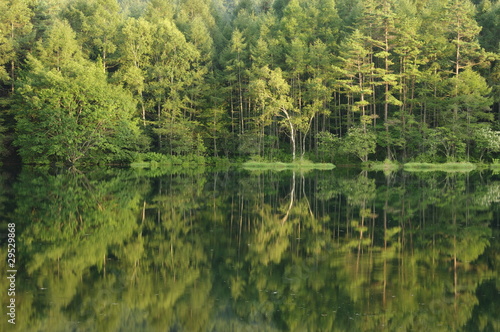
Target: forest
[343, 81]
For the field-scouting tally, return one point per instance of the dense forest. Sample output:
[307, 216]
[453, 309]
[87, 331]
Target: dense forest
[101, 81]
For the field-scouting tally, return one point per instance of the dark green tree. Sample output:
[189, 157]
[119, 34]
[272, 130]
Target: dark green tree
[66, 111]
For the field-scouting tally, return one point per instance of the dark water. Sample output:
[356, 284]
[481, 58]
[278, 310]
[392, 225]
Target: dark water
[342, 250]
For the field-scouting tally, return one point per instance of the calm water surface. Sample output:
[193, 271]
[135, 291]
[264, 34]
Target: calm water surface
[342, 250]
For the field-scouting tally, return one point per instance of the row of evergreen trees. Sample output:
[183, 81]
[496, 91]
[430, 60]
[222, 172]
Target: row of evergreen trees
[101, 80]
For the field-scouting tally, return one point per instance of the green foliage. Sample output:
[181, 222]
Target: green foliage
[328, 146]
[155, 159]
[486, 140]
[359, 143]
[96, 23]
[471, 96]
[386, 165]
[73, 115]
[15, 28]
[446, 167]
[267, 78]
[297, 165]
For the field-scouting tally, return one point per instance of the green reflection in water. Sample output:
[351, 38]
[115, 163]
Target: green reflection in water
[343, 250]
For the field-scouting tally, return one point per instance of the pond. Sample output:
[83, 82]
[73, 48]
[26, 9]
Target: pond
[199, 250]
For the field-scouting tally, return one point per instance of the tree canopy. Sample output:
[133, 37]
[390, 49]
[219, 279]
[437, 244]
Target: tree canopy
[107, 80]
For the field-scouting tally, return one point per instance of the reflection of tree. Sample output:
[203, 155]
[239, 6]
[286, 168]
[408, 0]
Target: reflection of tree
[485, 315]
[99, 254]
[386, 258]
[68, 221]
[171, 281]
[271, 251]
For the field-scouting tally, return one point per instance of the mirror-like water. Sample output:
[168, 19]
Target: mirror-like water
[342, 250]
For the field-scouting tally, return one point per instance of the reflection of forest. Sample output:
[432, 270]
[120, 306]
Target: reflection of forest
[324, 251]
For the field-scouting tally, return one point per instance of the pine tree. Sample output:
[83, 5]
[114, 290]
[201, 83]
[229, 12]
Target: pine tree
[358, 69]
[135, 51]
[15, 25]
[97, 24]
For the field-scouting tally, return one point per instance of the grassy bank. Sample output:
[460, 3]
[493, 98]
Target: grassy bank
[154, 160]
[297, 165]
[444, 167]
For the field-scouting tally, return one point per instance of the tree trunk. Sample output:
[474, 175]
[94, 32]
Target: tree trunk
[292, 131]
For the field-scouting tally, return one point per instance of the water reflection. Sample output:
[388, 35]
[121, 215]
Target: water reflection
[122, 250]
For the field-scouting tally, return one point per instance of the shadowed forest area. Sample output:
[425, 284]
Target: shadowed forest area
[107, 81]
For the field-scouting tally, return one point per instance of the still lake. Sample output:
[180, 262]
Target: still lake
[198, 250]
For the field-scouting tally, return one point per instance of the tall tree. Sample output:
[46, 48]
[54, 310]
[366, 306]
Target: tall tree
[464, 32]
[73, 115]
[59, 49]
[169, 73]
[378, 22]
[96, 23]
[272, 95]
[235, 74]
[358, 68]
[15, 24]
[135, 51]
